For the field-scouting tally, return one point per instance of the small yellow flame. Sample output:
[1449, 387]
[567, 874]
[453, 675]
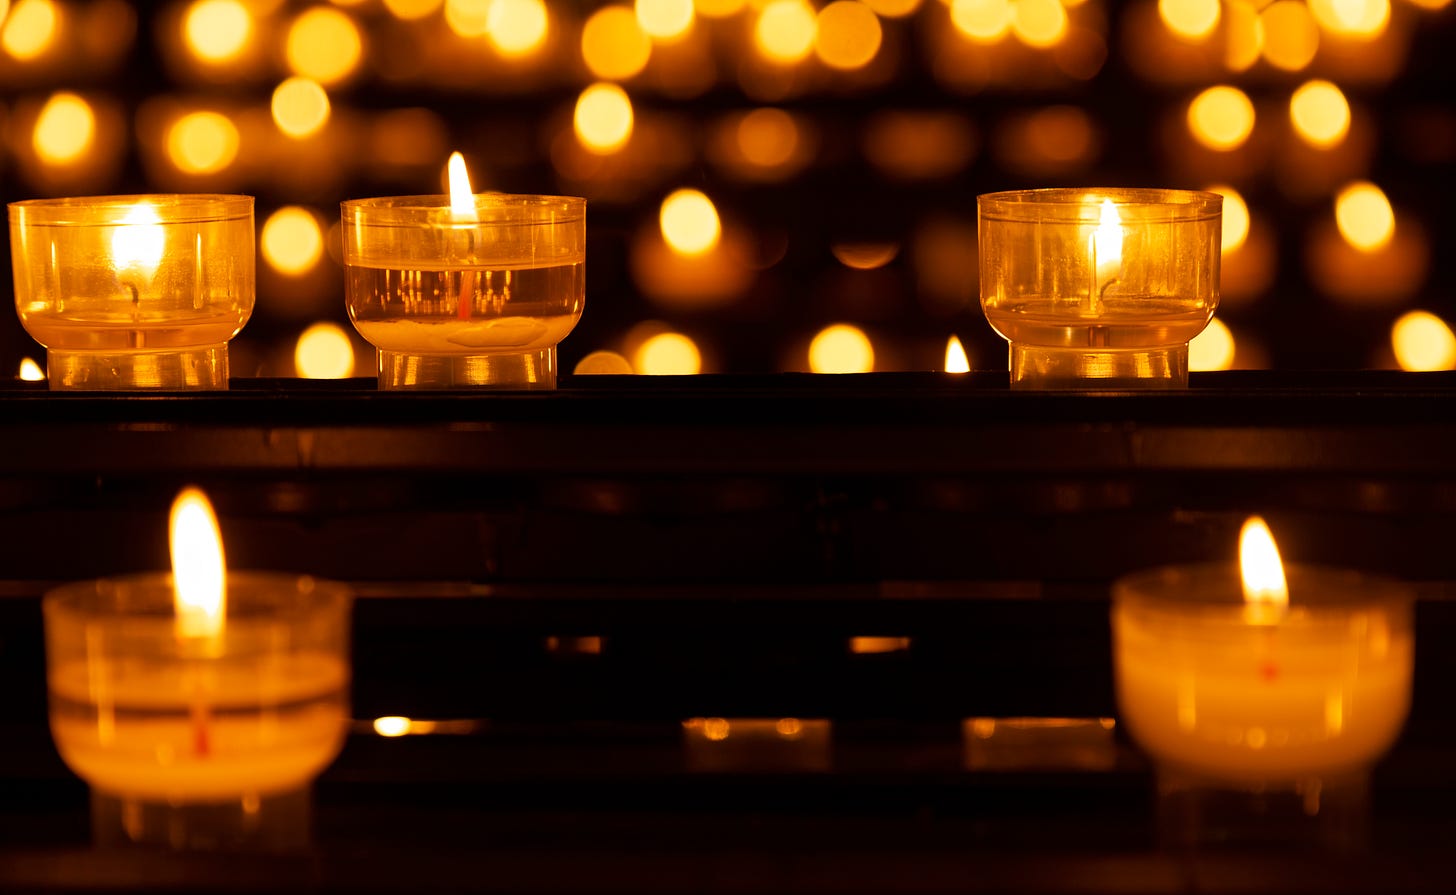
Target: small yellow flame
[1266, 596]
[30, 371]
[138, 243]
[955, 357]
[462, 197]
[198, 571]
[392, 725]
[1107, 242]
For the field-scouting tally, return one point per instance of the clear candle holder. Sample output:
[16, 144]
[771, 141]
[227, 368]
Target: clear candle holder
[1099, 288]
[465, 300]
[134, 292]
[1263, 729]
[199, 744]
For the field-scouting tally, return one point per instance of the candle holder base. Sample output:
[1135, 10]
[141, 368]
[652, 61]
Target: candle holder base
[528, 370]
[186, 369]
[1037, 367]
[1315, 813]
[273, 823]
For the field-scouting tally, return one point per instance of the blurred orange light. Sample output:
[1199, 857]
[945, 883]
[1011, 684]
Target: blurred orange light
[613, 45]
[603, 363]
[841, 348]
[664, 19]
[1039, 23]
[467, 18]
[982, 20]
[300, 107]
[865, 255]
[1291, 37]
[291, 241]
[893, 9]
[603, 118]
[324, 352]
[1364, 216]
[785, 30]
[1243, 36]
[767, 137]
[516, 27]
[323, 44]
[392, 726]
[30, 28]
[1320, 113]
[956, 360]
[1193, 19]
[848, 34]
[1221, 117]
[30, 371]
[1422, 341]
[1235, 217]
[689, 223]
[1432, 4]
[217, 30]
[410, 10]
[64, 129]
[202, 142]
[718, 9]
[668, 354]
[1362, 19]
[1212, 349]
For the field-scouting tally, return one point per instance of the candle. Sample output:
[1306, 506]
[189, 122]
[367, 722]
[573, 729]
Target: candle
[465, 290]
[197, 700]
[1099, 288]
[134, 292]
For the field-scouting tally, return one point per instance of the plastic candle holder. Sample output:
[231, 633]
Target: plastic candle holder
[1099, 288]
[457, 299]
[199, 743]
[134, 292]
[1263, 727]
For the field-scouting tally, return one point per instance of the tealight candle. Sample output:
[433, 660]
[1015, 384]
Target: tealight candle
[1260, 680]
[199, 705]
[134, 292]
[465, 290]
[1099, 288]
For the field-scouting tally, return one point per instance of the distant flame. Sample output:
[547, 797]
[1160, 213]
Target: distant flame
[462, 197]
[138, 243]
[1107, 243]
[955, 357]
[1266, 596]
[198, 571]
[30, 371]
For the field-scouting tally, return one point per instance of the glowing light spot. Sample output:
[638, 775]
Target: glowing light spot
[603, 363]
[324, 352]
[1431, 4]
[1320, 113]
[1221, 117]
[291, 241]
[410, 10]
[1193, 19]
[715, 728]
[789, 728]
[1266, 590]
[202, 142]
[217, 30]
[64, 129]
[30, 371]
[956, 360]
[603, 118]
[516, 27]
[665, 19]
[30, 28]
[1291, 37]
[1362, 19]
[613, 45]
[841, 348]
[983, 21]
[323, 44]
[1243, 36]
[392, 726]
[785, 31]
[893, 9]
[689, 222]
[1212, 349]
[1235, 218]
[199, 572]
[767, 137]
[1364, 216]
[668, 354]
[467, 18]
[1423, 341]
[718, 9]
[848, 35]
[300, 107]
[865, 255]
[1039, 23]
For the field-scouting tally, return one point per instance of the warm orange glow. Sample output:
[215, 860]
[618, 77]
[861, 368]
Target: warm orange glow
[1291, 37]
[1212, 349]
[1243, 36]
[199, 573]
[217, 30]
[668, 354]
[462, 196]
[848, 35]
[1235, 218]
[64, 129]
[300, 107]
[603, 363]
[1320, 113]
[410, 10]
[1432, 4]
[1364, 216]
[603, 118]
[689, 222]
[1361, 19]
[392, 726]
[291, 241]
[467, 18]
[1422, 341]
[1039, 23]
[664, 19]
[202, 142]
[324, 351]
[865, 255]
[785, 31]
[956, 360]
[30, 371]
[30, 29]
[841, 348]
[516, 27]
[323, 44]
[981, 20]
[767, 137]
[613, 45]
[893, 9]
[1107, 243]
[137, 245]
[715, 728]
[1193, 19]
[1266, 595]
[1221, 117]
[718, 9]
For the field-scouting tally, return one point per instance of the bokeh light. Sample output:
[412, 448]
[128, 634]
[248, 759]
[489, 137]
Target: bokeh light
[30, 28]
[1221, 117]
[1360, 19]
[392, 726]
[1243, 36]
[865, 255]
[1212, 349]
[467, 18]
[292, 242]
[30, 371]
[613, 44]
[848, 35]
[516, 27]
[300, 107]
[64, 129]
[1039, 23]
[603, 118]
[603, 363]
[323, 44]
[202, 142]
[893, 9]
[841, 348]
[324, 351]
[767, 137]
[664, 19]
[785, 31]
[668, 354]
[1193, 19]
[1320, 113]
[689, 222]
[1364, 216]
[410, 10]
[982, 20]
[719, 9]
[217, 30]
[1291, 37]
[1422, 342]
[1235, 218]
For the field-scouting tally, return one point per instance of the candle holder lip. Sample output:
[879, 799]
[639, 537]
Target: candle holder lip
[1211, 589]
[1083, 204]
[92, 211]
[144, 597]
[490, 208]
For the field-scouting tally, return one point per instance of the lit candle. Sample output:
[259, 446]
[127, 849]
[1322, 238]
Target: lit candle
[136, 248]
[1106, 248]
[202, 695]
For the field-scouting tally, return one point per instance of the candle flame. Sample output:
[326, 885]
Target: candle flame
[1108, 240]
[462, 197]
[1266, 596]
[198, 571]
[955, 357]
[139, 241]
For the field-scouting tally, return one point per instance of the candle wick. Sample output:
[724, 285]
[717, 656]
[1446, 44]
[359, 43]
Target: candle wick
[136, 311]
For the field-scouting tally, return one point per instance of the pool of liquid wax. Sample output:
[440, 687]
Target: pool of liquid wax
[1123, 322]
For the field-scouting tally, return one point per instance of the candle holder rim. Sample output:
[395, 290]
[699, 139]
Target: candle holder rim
[1216, 587]
[202, 207]
[498, 206]
[1084, 203]
[97, 598]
